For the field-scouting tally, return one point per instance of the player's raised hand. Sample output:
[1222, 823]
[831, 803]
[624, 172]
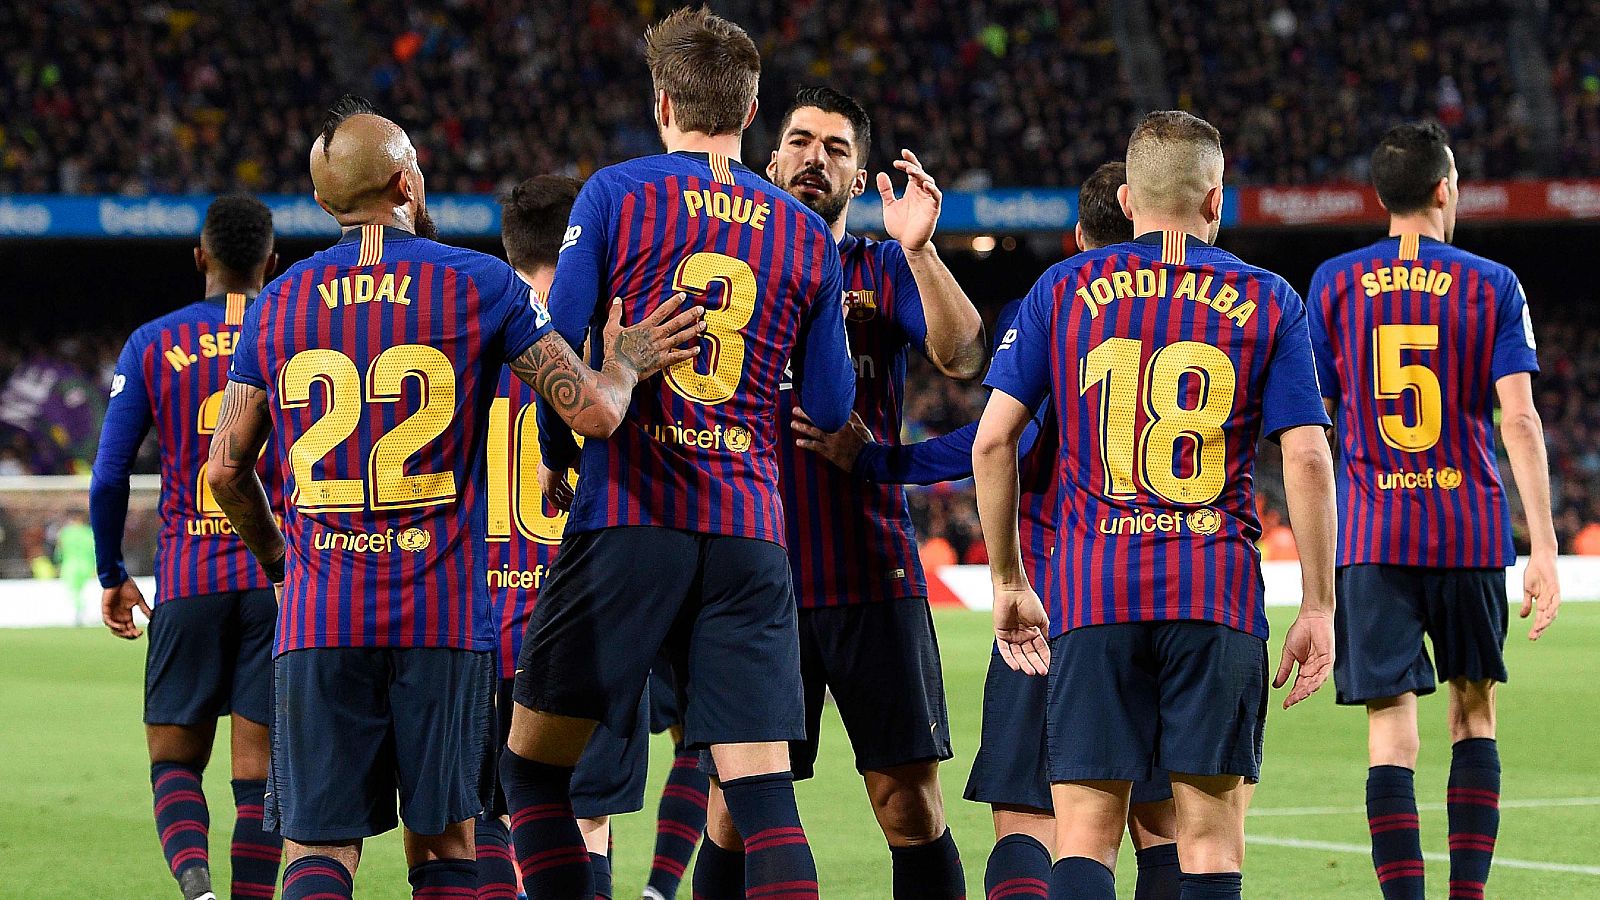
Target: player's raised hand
[839, 447]
[1540, 588]
[555, 487]
[116, 609]
[912, 218]
[1310, 644]
[1020, 626]
[658, 340]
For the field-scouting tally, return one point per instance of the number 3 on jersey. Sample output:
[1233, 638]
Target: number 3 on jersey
[724, 326]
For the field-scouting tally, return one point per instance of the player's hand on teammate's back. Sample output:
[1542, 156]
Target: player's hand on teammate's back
[1540, 588]
[1310, 644]
[116, 609]
[1020, 626]
[910, 219]
[555, 487]
[839, 447]
[656, 341]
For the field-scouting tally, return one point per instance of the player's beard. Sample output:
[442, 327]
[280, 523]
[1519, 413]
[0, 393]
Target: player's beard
[830, 205]
[424, 224]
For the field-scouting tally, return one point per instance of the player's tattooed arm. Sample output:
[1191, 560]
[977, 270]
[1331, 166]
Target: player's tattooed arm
[593, 403]
[243, 427]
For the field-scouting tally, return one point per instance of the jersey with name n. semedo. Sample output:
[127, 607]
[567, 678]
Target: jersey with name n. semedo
[173, 371]
[524, 531]
[697, 450]
[851, 541]
[1165, 359]
[1411, 336]
[380, 357]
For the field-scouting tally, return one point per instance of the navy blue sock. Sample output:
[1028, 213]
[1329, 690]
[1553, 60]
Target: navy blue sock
[444, 879]
[1019, 866]
[182, 819]
[1473, 810]
[1158, 873]
[777, 858]
[1396, 834]
[718, 873]
[679, 822]
[1081, 878]
[497, 871]
[316, 876]
[256, 852]
[550, 849]
[931, 870]
[600, 868]
[1210, 886]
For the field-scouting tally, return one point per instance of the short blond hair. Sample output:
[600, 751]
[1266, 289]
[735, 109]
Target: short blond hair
[1174, 160]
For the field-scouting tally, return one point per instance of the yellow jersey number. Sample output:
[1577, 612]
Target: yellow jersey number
[386, 484]
[1391, 381]
[1146, 459]
[724, 361]
[515, 501]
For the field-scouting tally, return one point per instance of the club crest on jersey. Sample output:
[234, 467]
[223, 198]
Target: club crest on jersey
[860, 306]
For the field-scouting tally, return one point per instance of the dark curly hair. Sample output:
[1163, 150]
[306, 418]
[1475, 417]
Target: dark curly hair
[238, 232]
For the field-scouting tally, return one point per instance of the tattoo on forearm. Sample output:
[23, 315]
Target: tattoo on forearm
[567, 384]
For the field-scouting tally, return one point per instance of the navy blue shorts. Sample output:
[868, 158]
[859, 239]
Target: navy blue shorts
[1011, 768]
[1383, 613]
[720, 609]
[881, 663]
[1127, 699]
[609, 779]
[666, 709]
[357, 726]
[209, 656]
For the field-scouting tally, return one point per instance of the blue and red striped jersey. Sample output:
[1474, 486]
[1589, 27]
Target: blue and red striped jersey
[1411, 336]
[849, 541]
[1165, 360]
[380, 357]
[697, 450]
[171, 374]
[523, 530]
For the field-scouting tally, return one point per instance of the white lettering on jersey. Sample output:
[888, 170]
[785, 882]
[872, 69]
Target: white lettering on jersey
[1527, 320]
[1008, 340]
[118, 382]
[573, 233]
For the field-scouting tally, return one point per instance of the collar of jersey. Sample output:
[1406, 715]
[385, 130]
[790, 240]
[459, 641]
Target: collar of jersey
[1153, 238]
[703, 155]
[222, 299]
[390, 233]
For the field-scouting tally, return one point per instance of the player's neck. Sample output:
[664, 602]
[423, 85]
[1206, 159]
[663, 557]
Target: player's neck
[699, 142]
[217, 285]
[1200, 228]
[1427, 224]
[837, 227]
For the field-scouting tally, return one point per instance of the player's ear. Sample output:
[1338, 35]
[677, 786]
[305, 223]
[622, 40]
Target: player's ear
[318, 197]
[1123, 196]
[1213, 205]
[1441, 193]
[663, 109]
[270, 267]
[772, 168]
[200, 261]
[1077, 235]
[750, 115]
[858, 184]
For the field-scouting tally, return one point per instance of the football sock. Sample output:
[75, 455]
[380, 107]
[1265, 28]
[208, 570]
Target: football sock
[444, 879]
[1158, 873]
[256, 852]
[1081, 878]
[1474, 814]
[1210, 886]
[182, 820]
[931, 870]
[550, 849]
[600, 867]
[777, 859]
[718, 873]
[1019, 867]
[497, 872]
[316, 876]
[679, 821]
[1396, 838]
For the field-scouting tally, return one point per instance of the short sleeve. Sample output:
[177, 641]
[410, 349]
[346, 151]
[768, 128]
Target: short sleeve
[1319, 312]
[246, 365]
[905, 307]
[1514, 347]
[1021, 366]
[1291, 397]
[524, 319]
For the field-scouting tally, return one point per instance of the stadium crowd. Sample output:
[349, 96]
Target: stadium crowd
[995, 93]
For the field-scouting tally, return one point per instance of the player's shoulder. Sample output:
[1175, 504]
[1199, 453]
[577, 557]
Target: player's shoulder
[1485, 266]
[1363, 256]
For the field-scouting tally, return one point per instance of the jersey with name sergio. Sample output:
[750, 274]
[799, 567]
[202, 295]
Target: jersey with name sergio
[697, 450]
[851, 541]
[171, 374]
[1411, 336]
[1165, 359]
[380, 357]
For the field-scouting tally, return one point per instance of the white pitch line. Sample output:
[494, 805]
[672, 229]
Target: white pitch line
[1364, 850]
[1271, 811]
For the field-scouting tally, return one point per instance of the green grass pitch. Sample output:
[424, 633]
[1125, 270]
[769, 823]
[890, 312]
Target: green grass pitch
[75, 803]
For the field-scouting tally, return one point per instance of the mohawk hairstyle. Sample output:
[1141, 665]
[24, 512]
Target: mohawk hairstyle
[342, 109]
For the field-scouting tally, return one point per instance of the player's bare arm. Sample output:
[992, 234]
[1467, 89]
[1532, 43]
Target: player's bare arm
[593, 403]
[837, 447]
[1309, 489]
[1523, 433]
[1020, 623]
[955, 330]
[243, 426]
